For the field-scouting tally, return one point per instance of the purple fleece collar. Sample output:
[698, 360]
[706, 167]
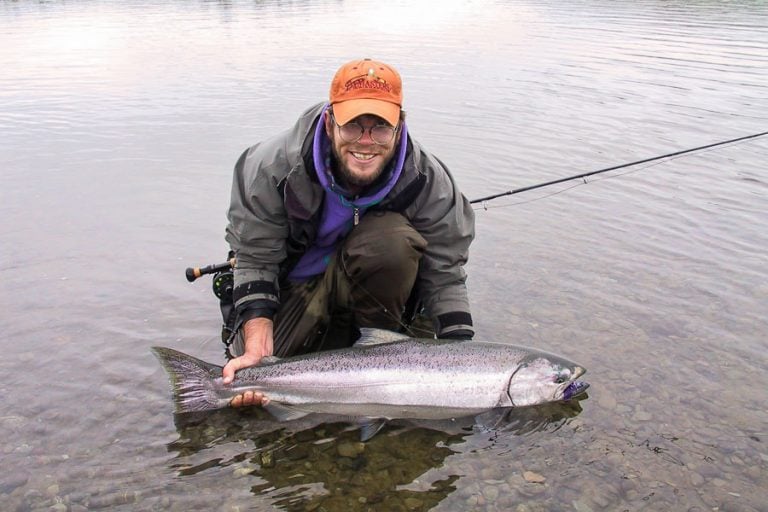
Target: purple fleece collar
[321, 149]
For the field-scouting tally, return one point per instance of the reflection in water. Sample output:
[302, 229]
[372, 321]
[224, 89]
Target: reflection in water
[319, 461]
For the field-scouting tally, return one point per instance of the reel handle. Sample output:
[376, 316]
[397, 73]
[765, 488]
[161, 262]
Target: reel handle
[193, 273]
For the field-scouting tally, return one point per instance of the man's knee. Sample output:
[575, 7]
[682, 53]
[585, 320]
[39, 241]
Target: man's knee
[383, 241]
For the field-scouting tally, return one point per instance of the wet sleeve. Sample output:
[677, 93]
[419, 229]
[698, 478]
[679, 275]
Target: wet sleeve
[446, 220]
[256, 231]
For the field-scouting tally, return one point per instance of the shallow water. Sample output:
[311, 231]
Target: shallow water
[119, 126]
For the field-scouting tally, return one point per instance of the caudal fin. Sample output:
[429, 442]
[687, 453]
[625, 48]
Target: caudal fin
[193, 381]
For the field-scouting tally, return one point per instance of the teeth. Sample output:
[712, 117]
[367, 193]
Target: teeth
[362, 156]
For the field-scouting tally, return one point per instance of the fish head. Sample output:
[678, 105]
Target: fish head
[543, 378]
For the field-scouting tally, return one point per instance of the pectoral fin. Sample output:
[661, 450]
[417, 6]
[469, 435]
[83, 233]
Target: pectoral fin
[284, 412]
[370, 429]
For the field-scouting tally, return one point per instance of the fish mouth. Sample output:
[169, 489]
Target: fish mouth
[575, 388]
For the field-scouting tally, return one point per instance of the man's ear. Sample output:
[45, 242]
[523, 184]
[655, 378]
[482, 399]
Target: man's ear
[328, 124]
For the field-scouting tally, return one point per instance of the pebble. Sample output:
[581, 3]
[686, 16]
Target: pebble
[607, 400]
[580, 506]
[297, 452]
[12, 481]
[23, 449]
[489, 473]
[642, 416]
[413, 503]
[732, 505]
[111, 500]
[696, 479]
[491, 493]
[241, 472]
[350, 450]
[267, 459]
[534, 478]
[532, 507]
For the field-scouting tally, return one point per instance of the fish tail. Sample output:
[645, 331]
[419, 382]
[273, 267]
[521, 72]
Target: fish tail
[193, 382]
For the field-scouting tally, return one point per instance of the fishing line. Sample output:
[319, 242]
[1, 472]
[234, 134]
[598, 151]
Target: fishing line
[412, 329]
[585, 182]
[583, 176]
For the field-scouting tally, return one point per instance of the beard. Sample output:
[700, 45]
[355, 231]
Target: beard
[349, 179]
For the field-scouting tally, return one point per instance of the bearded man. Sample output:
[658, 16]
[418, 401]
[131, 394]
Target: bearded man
[345, 221]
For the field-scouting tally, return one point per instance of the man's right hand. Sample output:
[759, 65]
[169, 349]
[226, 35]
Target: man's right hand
[258, 343]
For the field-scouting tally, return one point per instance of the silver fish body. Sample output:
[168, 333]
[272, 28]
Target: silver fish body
[385, 375]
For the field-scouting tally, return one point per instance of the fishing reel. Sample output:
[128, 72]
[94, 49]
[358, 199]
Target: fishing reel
[223, 285]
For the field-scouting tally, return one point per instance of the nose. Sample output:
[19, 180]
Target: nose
[366, 138]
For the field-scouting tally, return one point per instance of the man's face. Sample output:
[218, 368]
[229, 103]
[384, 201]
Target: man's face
[362, 162]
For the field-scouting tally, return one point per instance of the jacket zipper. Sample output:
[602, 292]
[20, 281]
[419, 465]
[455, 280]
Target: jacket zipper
[356, 216]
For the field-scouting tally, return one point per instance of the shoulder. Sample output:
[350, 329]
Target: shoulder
[280, 153]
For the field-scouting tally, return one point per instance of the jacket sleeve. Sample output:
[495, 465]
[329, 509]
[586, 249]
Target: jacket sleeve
[257, 228]
[446, 220]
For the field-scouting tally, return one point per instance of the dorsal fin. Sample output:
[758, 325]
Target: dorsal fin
[370, 337]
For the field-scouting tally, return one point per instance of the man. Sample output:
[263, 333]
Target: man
[340, 223]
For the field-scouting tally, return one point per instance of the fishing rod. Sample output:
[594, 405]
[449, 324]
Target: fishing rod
[615, 167]
[194, 272]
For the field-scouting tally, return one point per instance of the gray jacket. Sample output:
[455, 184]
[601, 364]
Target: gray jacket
[275, 210]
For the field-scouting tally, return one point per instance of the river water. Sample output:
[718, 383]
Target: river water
[119, 126]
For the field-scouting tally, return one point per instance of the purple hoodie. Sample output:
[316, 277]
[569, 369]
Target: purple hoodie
[340, 213]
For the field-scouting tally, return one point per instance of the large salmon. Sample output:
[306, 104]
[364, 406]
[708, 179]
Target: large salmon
[384, 376]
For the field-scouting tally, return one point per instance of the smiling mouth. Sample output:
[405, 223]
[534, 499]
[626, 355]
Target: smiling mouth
[363, 156]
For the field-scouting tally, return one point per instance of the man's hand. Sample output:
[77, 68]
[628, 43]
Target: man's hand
[258, 342]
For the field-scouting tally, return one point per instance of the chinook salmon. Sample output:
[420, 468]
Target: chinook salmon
[385, 375]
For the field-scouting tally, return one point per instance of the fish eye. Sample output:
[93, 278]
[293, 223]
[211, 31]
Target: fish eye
[561, 378]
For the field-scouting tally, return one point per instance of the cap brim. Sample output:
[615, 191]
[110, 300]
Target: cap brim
[345, 111]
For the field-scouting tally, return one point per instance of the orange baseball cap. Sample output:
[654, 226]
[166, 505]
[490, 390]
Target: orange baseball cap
[366, 87]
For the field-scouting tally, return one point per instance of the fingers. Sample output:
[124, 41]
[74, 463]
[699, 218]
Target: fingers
[228, 374]
[249, 398]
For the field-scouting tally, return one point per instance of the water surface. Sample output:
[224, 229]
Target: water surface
[119, 126]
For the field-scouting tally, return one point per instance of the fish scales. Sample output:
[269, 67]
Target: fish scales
[385, 375]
